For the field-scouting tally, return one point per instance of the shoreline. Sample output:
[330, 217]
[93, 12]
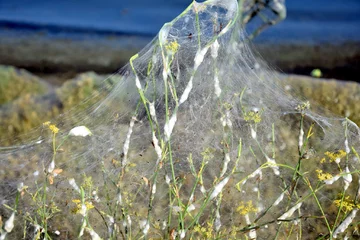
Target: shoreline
[55, 56]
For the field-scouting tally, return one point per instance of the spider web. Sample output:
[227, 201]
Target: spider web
[195, 97]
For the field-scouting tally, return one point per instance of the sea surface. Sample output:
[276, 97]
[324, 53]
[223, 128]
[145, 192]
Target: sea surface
[330, 21]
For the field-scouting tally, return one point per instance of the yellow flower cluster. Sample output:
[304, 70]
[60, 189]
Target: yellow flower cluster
[245, 208]
[78, 206]
[172, 46]
[323, 175]
[302, 107]
[52, 127]
[333, 156]
[206, 232]
[347, 204]
[87, 183]
[208, 154]
[227, 106]
[252, 116]
[234, 231]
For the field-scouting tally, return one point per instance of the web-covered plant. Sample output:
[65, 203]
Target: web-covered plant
[194, 140]
[261, 14]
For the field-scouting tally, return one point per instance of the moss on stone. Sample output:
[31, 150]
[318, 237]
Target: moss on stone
[332, 96]
[29, 111]
[15, 83]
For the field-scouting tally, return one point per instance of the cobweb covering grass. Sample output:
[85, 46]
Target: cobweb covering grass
[194, 140]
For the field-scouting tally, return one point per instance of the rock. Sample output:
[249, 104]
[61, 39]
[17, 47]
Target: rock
[16, 82]
[29, 111]
[332, 96]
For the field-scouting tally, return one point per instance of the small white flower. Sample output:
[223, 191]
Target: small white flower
[57, 232]
[9, 224]
[80, 131]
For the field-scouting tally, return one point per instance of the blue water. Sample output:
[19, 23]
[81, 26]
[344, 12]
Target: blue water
[307, 20]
